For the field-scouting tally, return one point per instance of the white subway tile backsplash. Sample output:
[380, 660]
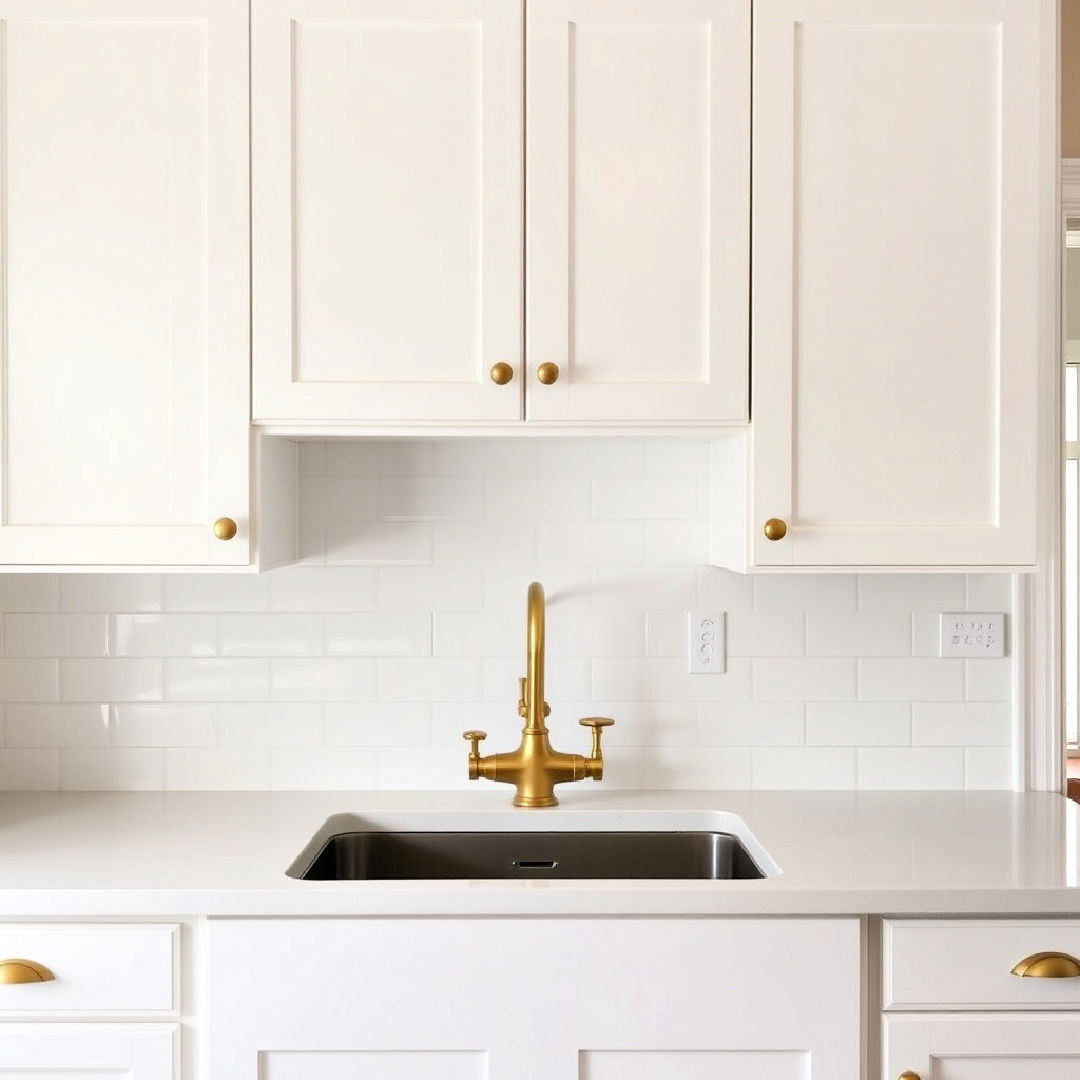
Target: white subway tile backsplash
[404, 625]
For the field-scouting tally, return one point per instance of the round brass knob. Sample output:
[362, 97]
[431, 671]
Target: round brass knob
[1048, 965]
[775, 529]
[501, 373]
[24, 971]
[548, 373]
[224, 528]
[909, 1075]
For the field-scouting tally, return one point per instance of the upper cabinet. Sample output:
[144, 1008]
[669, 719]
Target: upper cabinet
[124, 379]
[903, 279]
[637, 202]
[387, 238]
[391, 270]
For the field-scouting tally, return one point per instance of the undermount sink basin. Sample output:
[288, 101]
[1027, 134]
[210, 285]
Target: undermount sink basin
[399, 856]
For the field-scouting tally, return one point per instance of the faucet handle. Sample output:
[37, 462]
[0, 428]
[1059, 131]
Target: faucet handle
[476, 738]
[597, 723]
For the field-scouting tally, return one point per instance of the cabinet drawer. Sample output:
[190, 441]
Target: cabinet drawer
[967, 964]
[88, 1051]
[96, 969]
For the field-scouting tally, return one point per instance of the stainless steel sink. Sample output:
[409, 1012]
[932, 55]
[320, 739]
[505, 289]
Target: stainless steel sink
[400, 856]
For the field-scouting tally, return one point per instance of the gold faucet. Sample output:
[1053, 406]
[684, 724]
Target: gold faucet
[534, 768]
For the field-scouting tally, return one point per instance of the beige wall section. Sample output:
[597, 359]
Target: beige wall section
[1070, 78]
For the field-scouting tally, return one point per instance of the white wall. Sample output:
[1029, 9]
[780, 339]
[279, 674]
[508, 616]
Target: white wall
[405, 625]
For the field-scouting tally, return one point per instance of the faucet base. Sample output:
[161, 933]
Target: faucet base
[535, 800]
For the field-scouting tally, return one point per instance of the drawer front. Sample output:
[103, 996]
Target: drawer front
[967, 964]
[95, 968]
[89, 1051]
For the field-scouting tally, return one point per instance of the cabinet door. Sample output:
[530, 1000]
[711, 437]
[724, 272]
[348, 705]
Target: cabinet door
[1028, 1047]
[903, 290]
[387, 209]
[93, 1051]
[124, 407]
[534, 999]
[637, 197]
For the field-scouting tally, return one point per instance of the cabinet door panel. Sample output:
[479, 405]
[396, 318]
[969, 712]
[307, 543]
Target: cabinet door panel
[694, 1065]
[1030, 1047]
[902, 295]
[637, 201]
[125, 381]
[376, 1065]
[387, 208]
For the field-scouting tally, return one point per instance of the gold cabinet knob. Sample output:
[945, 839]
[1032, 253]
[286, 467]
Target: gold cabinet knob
[501, 373]
[1048, 965]
[548, 373]
[24, 971]
[224, 528]
[775, 529]
[909, 1075]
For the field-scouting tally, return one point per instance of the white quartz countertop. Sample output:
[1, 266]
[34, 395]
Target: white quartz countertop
[226, 853]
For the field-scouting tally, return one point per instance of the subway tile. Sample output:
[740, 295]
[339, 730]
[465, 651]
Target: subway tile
[481, 542]
[267, 634]
[592, 457]
[566, 586]
[420, 767]
[217, 769]
[430, 679]
[567, 678]
[581, 634]
[312, 768]
[29, 592]
[751, 723]
[31, 680]
[961, 724]
[988, 680]
[162, 724]
[809, 678]
[596, 543]
[989, 592]
[911, 592]
[910, 768]
[110, 592]
[29, 770]
[724, 590]
[218, 679]
[339, 498]
[479, 633]
[676, 543]
[705, 767]
[472, 457]
[164, 635]
[666, 679]
[637, 723]
[112, 769]
[537, 498]
[667, 634]
[449, 719]
[430, 498]
[926, 633]
[378, 633]
[56, 724]
[431, 588]
[385, 723]
[988, 767]
[379, 543]
[322, 679]
[324, 588]
[641, 498]
[858, 723]
[751, 633]
[371, 457]
[215, 592]
[263, 723]
[910, 679]
[804, 768]
[862, 634]
[56, 635]
[647, 588]
[804, 592]
[110, 680]
[677, 457]
[312, 459]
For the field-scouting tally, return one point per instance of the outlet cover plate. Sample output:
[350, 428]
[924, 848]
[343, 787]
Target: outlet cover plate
[707, 643]
[973, 634]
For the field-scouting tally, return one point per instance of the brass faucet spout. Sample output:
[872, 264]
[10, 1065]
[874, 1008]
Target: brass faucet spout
[534, 768]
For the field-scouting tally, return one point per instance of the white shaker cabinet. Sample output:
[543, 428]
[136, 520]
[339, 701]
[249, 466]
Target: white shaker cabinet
[124, 409]
[88, 1051]
[638, 199]
[387, 231]
[903, 279]
[534, 999]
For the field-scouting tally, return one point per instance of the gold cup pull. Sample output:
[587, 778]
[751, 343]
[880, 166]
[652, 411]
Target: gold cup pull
[548, 373]
[775, 529]
[13, 972]
[224, 528]
[1048, 965]
[501, 373]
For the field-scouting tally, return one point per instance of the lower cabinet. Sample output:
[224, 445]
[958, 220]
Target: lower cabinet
[534, 999]
[90, 1051]
[1030, 1046]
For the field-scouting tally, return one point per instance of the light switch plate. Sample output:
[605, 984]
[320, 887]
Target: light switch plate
[707, 643]
[973, 634]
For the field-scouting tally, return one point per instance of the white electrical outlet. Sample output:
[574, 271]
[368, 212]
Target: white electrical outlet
[707, 644]
[973, 634]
